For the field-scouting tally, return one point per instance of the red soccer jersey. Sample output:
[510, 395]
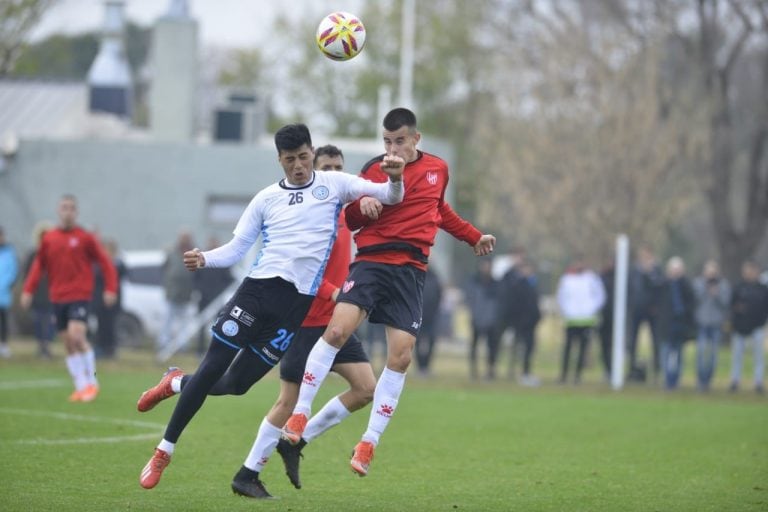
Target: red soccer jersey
[335, 272]
[67, 257]
[405, 232]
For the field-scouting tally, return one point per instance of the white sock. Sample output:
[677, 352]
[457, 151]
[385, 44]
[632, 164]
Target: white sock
[330, 415]
[176, 384]
[76, 370]
[89, 364]
[319, 363]
[263, 446]
[167, 446]
[385, 398]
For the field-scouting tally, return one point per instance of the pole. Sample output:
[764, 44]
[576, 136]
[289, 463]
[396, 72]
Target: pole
[406, 53]
[621, 272]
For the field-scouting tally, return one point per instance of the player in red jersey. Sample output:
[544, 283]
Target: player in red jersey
[386, 280]
[67, 254]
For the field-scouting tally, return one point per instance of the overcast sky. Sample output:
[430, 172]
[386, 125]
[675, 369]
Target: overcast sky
[234, 23]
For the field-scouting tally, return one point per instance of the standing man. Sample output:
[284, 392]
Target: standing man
[749, 312]
[386, 280]
[67, 254]
[297, 219]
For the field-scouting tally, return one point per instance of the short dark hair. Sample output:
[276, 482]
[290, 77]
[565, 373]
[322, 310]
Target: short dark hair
[328, 150]
[399, 117]
[292, 136]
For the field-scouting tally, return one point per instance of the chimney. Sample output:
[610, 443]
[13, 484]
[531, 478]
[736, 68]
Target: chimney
[174, 75]
[109, 79]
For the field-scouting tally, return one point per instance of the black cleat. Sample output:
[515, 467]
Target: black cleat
[291, 455]
[247, 483]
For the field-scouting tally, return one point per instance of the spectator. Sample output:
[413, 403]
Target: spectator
[482, 297]
[43, 323]
[713, 297]
[749, 312]
[506, 269]
[179, 286]
[106, 315]
[210, 283]
[425, 341]
[580, 295]
[644, 282]
[525, 293]
[607, 276]
[675, 316]
[9, 269]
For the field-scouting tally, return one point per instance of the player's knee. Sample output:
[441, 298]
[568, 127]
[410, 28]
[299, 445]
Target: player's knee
[335, 336]
[399, 361]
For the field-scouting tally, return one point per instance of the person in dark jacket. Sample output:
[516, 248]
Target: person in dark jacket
[605, 330]
[676, 304]
[482, 298]
[524, 292]
[645, 281]
[425, 341]
[749, 312]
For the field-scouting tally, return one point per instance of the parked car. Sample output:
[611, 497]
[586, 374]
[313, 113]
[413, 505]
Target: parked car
[143, 298]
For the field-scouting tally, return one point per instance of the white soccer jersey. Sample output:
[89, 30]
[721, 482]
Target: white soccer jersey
[298, 225]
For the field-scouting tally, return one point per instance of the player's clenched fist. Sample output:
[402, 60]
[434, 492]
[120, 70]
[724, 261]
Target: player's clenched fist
[194, 259]
[393, 165]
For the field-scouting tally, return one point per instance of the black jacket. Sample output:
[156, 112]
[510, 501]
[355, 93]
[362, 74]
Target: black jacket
[749, 307]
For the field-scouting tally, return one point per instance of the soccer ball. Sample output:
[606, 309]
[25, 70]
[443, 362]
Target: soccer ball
[340, 36]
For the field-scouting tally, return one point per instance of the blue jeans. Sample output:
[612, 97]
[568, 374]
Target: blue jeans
[707, 345]
[758, 340]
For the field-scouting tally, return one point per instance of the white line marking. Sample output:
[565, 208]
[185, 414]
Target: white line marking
[87, 440]
[155, 427]
[26, 384]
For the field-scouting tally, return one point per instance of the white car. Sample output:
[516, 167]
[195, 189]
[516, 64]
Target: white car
[142, 297]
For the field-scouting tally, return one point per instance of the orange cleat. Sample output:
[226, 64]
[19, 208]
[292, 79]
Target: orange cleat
[294, 428]
[160, 392]
[76, 395]
[89, 393]
[150, 475]
[362, 457]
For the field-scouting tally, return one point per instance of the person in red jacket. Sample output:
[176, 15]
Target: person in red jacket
[386, 279]
[66, 255]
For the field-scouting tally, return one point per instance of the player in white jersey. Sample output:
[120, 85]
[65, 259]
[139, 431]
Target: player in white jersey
[296, 219]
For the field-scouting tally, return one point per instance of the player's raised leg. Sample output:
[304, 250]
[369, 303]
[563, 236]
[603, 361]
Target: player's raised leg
[346, 318]
[385, 398]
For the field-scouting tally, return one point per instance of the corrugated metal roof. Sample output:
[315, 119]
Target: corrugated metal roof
[55, 110]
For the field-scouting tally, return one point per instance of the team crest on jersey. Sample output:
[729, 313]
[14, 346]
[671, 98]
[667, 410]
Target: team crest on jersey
[347, 286]
[230, 328]
[320, 192]
[236, 312]
[74, 242]
[432, 178]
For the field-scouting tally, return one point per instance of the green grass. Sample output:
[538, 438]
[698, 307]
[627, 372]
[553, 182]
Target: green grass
[452, 445]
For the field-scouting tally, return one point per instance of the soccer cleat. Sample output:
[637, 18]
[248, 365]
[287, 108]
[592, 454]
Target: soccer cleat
[291, 455]
[362, 457]
[247, 483]
[150, 475]
[89, 393]
[76, 395]
[294, 428]
[160, 392]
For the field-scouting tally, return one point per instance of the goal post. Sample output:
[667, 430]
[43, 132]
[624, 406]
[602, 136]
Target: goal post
[621, 274]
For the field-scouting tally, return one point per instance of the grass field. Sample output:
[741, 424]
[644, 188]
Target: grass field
[453, 445]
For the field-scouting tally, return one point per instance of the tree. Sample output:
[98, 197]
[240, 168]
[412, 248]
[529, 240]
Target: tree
[17, 18]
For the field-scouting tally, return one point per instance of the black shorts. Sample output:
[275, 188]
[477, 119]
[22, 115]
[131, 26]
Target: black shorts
[66, 311]
[390, 294]
[263, 316]
[292, 365]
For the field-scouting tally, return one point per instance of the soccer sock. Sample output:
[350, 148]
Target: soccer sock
[330, 415]
[385, 398]
[76, 370]
[263, 446]
[89, 365]
[319, 363]
[167, 446]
